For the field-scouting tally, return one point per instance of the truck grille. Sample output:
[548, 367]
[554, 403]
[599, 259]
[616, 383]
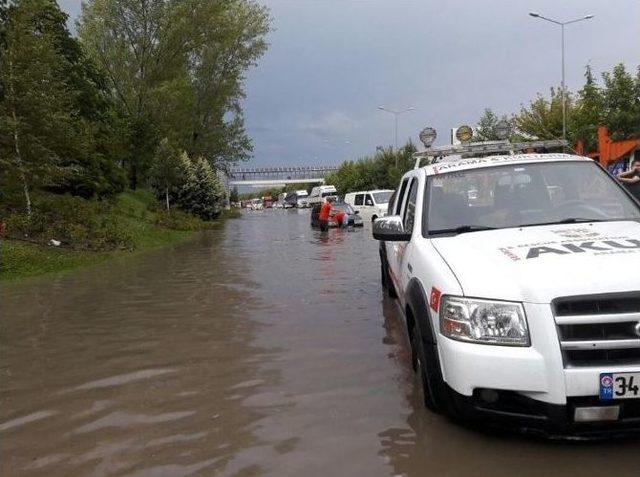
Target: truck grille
[599, 330]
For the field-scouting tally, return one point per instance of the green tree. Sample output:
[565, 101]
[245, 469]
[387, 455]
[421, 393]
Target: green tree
[168, 171]
[621, 103]
[56, 119]
[587, 114]
[542, 118]
[373, 172]
[234, 195]
[177, 71]
[202, 193]
[36, 111]
[486, 129]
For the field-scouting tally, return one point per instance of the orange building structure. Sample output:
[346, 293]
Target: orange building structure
[610, 151]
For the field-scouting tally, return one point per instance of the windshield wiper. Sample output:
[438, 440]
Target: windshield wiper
[461, 229]
[570, 220]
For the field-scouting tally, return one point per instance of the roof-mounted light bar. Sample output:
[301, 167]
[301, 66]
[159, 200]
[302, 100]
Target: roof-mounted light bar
[489, 147]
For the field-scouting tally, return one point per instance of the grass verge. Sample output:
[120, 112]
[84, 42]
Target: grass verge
[90, 233]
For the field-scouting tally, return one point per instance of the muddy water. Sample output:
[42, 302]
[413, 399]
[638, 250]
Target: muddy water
[262, 349]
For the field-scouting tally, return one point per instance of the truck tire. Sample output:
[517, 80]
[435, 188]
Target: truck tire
[385, 279]
[427, 365]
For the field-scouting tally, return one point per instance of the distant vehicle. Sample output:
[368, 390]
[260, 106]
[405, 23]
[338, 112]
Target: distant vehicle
[302, 196]
[256, 204]
[291, 200]
[371, 204]
[279, 204]
[320, 193]
[267, 202]
[354, 219]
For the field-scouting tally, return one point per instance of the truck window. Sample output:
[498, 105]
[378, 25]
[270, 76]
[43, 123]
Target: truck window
[410, 208]
[359, 200]
[400, 198]
[368, 200]
[525, 195]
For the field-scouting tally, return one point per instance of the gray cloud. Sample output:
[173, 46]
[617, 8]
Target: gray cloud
[332, 62]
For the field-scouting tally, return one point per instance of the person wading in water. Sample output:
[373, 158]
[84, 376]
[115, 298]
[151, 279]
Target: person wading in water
[325, 213]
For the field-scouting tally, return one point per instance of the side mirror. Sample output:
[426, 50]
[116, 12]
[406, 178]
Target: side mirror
[390, 229]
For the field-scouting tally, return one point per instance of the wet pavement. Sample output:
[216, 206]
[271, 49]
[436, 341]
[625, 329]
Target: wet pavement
[262, 348]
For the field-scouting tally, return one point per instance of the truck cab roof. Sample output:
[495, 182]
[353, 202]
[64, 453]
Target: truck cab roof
[456, 165]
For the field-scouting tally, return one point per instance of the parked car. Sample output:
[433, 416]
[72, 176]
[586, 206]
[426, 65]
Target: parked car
[319, 194]
[354, 218]
[523, 308]
[370, 204]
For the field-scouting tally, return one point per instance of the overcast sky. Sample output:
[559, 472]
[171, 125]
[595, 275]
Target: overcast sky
[313, 98]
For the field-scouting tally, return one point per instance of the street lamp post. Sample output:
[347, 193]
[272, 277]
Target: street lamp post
[396, 114]
[562, 25]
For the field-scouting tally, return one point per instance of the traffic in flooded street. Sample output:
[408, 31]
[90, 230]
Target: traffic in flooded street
[261, 348]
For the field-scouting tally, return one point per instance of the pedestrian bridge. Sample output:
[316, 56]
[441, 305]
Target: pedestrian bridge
[278, 176]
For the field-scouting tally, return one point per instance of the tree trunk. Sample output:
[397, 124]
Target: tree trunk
[166, 195]
[16, 141]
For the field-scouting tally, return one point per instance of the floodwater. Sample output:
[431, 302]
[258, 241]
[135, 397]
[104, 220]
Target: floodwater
[262, 348]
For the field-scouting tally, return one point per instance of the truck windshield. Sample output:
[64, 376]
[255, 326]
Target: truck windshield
[519, 195]
[382, 197]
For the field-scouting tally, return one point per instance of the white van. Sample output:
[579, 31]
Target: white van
[302, 198]
[319, 193]
[370, 204]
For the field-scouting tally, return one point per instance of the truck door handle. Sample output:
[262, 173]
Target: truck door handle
[410, 267]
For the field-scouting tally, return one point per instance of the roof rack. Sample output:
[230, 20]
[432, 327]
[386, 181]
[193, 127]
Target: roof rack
[487, 147]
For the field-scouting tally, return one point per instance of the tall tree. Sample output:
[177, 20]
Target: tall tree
[167, 172]
[621, 103]
[587, 114]
[177, 68]
[542, 118]
[36, 111]
[486, 129]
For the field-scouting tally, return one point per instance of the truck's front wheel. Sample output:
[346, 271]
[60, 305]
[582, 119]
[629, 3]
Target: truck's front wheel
[427, 366]
[385, 279]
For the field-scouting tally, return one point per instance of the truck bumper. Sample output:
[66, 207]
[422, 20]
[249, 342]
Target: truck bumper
[507, 409]
[531, 388]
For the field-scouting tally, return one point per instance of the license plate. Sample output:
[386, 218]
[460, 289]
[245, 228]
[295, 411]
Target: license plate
[619, 386]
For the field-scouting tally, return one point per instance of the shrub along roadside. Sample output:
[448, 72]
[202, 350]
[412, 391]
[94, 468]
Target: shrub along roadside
[89, 232]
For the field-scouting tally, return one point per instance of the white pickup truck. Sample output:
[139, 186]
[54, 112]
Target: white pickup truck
[522, 298]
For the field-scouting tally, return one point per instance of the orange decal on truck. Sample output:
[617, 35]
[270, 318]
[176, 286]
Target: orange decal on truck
[434, 300]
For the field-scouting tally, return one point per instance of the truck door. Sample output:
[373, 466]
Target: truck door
[395, 250]
[405, 271]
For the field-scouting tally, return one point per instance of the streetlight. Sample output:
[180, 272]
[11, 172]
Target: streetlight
[562, 25]
[395, 114]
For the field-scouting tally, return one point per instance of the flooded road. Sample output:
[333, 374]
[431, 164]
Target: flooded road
[262, 348]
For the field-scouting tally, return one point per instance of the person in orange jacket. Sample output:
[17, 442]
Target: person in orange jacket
[325, 213]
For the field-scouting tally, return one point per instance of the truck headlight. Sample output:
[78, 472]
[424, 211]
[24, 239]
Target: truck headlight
[484, 321]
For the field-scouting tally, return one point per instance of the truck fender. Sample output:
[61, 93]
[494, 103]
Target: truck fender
[417, 302]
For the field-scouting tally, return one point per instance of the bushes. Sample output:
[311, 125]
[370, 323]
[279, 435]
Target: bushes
[179, 220]
[76, 222]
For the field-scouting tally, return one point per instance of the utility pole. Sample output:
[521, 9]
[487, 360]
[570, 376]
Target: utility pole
[396, 114]
[563, 84]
